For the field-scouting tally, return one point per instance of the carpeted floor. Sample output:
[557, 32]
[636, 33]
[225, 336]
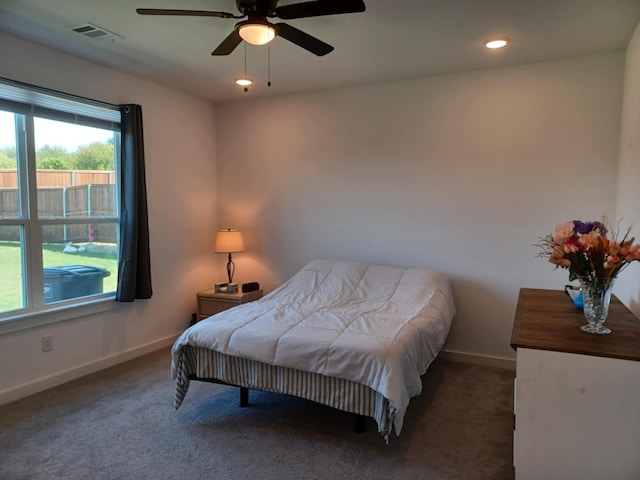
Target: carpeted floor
[120, 424]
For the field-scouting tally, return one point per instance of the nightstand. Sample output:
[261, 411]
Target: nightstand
[209, 302]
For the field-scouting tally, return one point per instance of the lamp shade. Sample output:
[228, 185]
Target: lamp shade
[257, 33]
[229, 241]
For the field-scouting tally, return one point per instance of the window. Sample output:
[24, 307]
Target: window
[59, 205]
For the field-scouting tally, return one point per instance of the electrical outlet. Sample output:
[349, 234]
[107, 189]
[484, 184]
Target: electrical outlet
[47, 343]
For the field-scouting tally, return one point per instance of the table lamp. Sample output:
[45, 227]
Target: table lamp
[229, 241]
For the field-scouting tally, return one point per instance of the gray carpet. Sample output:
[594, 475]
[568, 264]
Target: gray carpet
[120, 424]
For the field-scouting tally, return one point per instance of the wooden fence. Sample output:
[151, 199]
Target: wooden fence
[79, 201]
[59, 178]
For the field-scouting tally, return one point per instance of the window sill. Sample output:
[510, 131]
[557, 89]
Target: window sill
[58, 314]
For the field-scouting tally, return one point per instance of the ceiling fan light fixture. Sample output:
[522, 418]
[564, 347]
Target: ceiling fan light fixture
[257, 33]
[257, 29]
[496, 42]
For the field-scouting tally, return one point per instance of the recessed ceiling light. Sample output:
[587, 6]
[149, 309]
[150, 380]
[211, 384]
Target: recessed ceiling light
[496, 42]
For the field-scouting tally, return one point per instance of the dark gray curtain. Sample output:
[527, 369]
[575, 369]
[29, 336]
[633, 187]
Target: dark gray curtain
[134, 268]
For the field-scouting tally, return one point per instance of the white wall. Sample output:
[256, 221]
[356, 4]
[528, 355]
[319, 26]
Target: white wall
[457, 172]
[628, 288]
[181, 178]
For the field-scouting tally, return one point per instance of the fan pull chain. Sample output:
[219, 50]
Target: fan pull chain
[246, 89]
[269, 64]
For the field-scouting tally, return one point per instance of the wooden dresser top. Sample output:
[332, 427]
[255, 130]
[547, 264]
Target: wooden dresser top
[547, 320]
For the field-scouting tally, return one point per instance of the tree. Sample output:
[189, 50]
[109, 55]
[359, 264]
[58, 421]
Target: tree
[55, 163]
[7, 157]
[95, 156]
[54, 158]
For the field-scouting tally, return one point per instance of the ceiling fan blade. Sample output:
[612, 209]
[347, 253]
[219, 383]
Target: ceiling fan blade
[303, 39]
[318, 8]
[185, 13]
[229, 44]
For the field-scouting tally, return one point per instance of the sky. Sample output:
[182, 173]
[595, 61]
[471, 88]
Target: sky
[50, 132]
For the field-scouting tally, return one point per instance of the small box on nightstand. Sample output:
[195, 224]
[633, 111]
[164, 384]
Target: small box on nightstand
[225, 287]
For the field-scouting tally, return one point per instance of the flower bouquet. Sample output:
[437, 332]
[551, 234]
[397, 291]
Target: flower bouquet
[594, 256]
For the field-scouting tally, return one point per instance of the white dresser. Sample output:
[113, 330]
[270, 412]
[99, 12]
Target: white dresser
[577, 395]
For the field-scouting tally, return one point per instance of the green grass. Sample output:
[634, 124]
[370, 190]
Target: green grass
[52, 255]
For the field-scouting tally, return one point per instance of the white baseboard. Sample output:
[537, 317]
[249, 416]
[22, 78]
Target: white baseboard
[59, 378]
[498, 362]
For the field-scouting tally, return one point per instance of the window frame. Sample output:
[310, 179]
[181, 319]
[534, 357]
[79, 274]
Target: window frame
[27, 102]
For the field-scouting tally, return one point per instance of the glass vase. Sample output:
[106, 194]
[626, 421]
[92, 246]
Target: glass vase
[596, 295]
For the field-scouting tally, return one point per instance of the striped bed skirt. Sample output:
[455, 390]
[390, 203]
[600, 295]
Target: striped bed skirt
[334, 392]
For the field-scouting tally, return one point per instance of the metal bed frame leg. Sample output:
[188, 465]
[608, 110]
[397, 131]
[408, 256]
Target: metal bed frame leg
[244, 397]
[360, 423]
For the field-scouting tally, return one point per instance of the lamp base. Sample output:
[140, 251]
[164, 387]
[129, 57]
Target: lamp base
[225, 287]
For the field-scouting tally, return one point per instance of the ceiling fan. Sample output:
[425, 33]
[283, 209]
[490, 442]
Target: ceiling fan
[256, 29]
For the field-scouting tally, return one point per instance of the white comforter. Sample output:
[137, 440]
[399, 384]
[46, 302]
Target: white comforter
[376, 325]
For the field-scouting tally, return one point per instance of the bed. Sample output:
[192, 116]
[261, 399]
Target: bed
[353, 336]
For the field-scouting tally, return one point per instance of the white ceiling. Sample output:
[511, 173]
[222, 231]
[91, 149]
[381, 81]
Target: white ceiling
[393, 39]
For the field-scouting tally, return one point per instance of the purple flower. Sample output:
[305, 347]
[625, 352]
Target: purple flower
[587, 227]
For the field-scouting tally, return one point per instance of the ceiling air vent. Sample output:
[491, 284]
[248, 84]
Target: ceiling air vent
[93, 31]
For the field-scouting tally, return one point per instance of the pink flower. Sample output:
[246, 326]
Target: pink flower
[611, 260]
[634, 253]
[589, 240]
[564, 231]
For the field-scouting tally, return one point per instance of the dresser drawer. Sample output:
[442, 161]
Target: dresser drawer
[209, 302]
